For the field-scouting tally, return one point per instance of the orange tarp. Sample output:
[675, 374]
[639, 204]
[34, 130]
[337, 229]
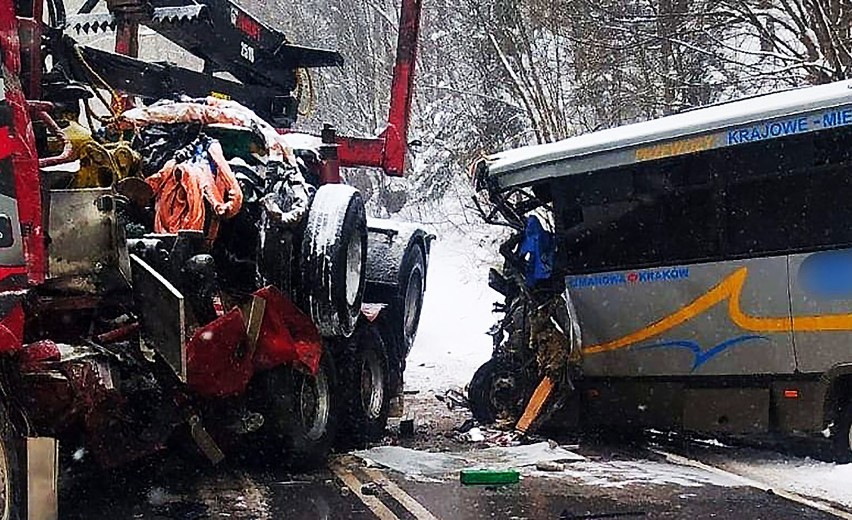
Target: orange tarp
[180, 191]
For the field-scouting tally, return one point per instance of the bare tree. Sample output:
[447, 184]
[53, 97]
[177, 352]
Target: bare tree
[809, 38]
[495, 74]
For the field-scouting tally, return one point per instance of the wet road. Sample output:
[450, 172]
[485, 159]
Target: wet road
[612, 482]
[188, 494]
[602, 487]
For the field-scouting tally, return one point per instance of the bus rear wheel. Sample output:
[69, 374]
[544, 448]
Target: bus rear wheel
[843, 435]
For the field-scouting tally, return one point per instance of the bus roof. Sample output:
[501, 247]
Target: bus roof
[738, 122]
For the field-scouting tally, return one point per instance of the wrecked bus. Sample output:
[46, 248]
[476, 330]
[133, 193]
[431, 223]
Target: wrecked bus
[688, 273]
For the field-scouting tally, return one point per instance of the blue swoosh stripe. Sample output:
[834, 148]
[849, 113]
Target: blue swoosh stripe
[700, 356]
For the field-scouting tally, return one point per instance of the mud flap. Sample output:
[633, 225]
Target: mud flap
[42, 478]
[535, 406]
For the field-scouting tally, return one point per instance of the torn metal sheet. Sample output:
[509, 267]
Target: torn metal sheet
[525, 455]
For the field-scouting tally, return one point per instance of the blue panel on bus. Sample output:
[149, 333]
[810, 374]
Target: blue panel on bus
[828, 274]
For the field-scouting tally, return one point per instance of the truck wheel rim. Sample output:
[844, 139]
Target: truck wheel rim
[353, 270]
[314, 403]
[5, 488]
[372, 387]
[413, 293]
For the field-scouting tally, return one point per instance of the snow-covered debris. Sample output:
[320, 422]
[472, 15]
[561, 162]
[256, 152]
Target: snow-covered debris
[416, 463]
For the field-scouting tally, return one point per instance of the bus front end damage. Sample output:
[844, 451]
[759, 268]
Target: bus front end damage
[652, 239]
[536, 357]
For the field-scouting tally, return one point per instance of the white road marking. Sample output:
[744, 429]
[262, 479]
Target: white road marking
[413, 506]
[789, 495]
[376, 506]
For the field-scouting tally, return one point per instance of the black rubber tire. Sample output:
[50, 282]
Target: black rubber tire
[481, 394]
[13, 485]
[334, 247]
[842, 435]
[365, 387]
[408, 303]
[306, 441]
[478, 393]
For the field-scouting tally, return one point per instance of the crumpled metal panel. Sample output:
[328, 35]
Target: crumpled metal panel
[83, 251]
[220, 365]
[162, 312]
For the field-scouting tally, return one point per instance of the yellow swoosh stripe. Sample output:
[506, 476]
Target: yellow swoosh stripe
[728, 289]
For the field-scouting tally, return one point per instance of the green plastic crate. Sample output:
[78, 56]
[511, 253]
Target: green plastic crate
[489, 477]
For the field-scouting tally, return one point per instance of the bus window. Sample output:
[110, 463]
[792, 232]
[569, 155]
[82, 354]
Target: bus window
[667, 215]
[789, 196]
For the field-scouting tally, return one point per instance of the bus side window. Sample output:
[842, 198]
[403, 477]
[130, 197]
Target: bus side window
[798, 202]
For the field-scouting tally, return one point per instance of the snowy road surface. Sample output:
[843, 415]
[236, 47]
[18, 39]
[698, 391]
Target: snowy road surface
[452, 340]
[612, 482]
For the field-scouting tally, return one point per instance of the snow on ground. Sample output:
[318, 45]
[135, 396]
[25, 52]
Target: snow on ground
[626, 473]
[805, 476]
[452, 340]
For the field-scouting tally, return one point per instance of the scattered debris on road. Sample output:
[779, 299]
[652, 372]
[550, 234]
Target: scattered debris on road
[418, 464]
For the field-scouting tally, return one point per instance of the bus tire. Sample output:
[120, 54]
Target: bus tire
[494, 393]
[301, 412]
[365, 384]
[842, 439]
[334, 257]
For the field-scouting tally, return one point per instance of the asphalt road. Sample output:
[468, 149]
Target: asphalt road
[614, 482]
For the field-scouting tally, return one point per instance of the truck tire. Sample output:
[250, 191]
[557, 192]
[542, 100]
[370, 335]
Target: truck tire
[364, 381]
[409, 300]
[842, 438]
[301, 412]
[334, 256]
[13, 479]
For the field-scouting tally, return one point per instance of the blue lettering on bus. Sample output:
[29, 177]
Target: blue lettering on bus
[792, 126]
[837, 118]
[775, 129]
[628, 278]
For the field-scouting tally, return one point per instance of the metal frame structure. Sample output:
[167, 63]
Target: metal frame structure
[229, 39]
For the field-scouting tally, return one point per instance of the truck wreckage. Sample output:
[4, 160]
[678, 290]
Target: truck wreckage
[186, 267]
